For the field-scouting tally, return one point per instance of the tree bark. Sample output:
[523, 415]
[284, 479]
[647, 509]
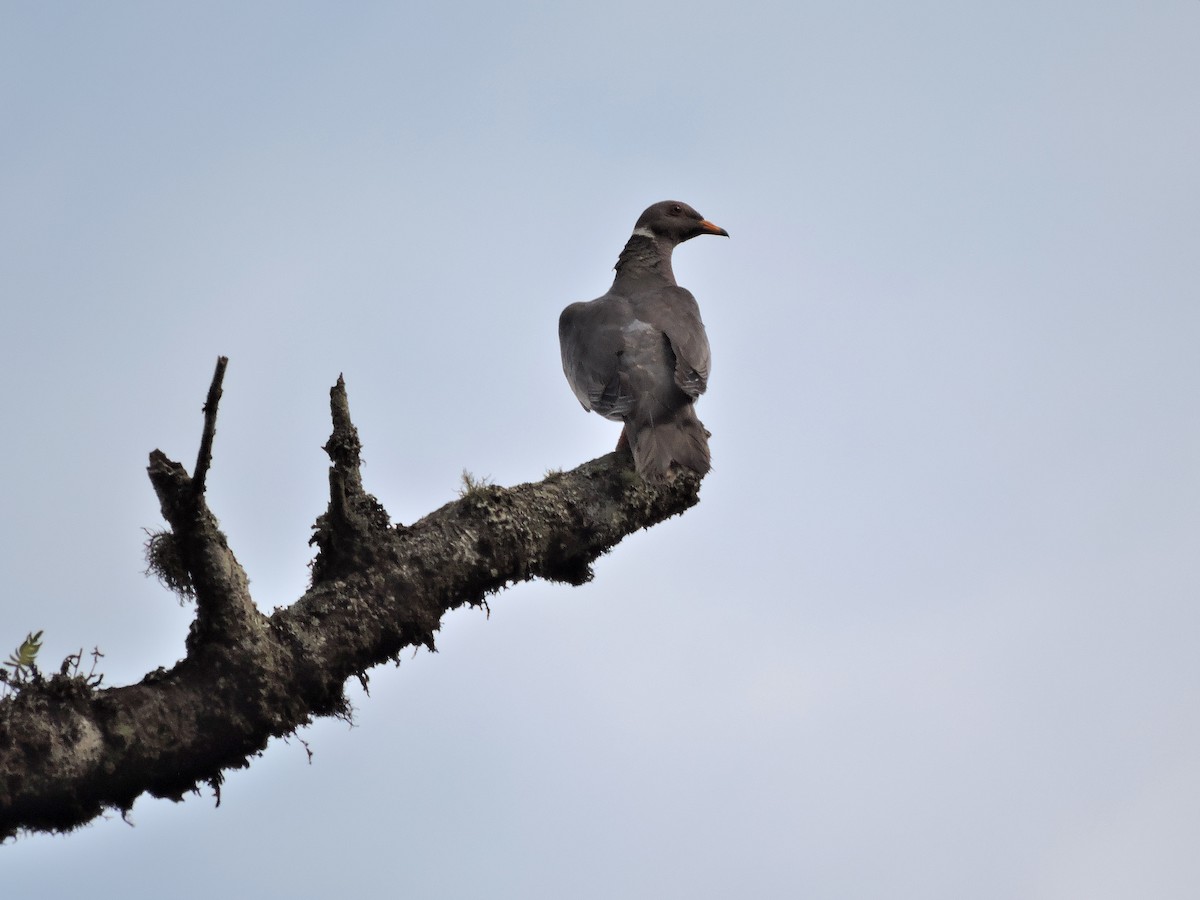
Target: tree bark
[69, 751]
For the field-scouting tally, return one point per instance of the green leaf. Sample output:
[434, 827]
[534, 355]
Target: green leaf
[26, 654]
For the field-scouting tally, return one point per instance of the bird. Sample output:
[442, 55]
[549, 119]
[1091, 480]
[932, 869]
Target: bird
[639, 354]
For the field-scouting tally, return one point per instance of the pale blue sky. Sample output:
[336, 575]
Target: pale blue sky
[931, 633]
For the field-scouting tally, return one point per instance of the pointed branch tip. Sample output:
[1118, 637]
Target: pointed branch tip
[204, 457]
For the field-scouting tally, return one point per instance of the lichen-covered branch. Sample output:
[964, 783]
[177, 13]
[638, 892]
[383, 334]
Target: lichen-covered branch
[69, 751]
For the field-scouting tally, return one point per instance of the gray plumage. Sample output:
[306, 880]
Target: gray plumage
[639, 354]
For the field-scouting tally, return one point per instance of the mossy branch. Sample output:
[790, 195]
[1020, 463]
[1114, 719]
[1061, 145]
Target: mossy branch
[68, 750]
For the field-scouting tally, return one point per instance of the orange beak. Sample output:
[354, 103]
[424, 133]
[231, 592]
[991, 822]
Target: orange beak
[713, 229]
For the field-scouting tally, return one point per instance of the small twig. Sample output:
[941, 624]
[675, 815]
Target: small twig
[204, 458]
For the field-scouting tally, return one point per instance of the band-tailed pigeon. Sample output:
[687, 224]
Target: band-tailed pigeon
[639, 354]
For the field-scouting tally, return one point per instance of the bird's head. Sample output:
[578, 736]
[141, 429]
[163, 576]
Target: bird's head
[672, 222]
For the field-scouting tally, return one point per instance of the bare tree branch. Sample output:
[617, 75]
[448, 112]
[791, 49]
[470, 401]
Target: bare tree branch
[68, 751]
[204, 457]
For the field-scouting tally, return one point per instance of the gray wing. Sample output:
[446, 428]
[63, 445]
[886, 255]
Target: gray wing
[675, 312]
[592, 339]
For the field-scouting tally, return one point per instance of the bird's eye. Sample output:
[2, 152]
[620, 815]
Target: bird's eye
[676, 209]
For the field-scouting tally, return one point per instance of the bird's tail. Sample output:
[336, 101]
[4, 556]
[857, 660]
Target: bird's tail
[664, 446]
